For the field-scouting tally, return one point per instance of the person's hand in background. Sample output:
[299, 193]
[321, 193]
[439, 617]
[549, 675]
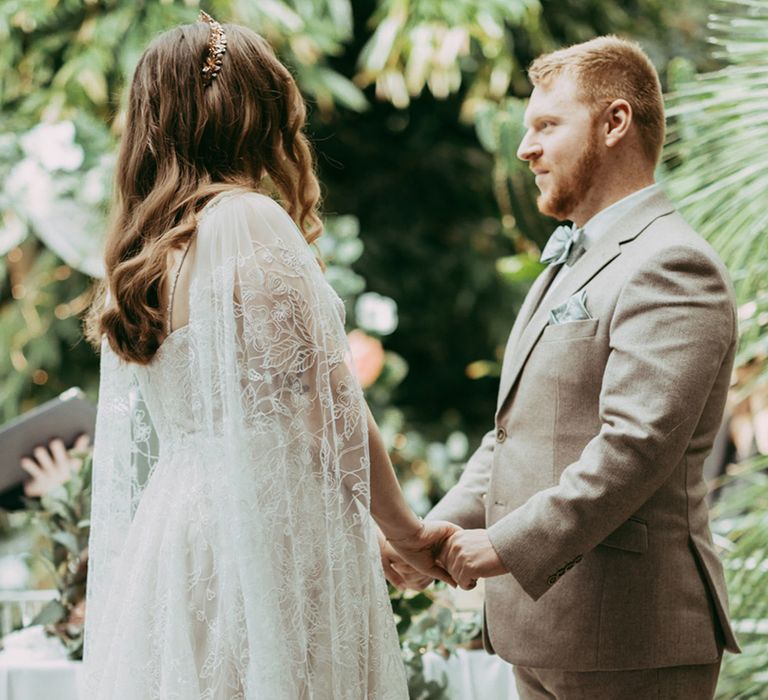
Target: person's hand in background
[51, 467]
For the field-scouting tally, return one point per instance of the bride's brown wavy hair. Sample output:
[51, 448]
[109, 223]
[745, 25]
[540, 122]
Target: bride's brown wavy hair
[184, 143]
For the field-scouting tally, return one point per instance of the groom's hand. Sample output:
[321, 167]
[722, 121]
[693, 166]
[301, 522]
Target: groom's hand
[469, 555]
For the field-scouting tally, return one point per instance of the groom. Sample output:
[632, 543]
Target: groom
[584, 506]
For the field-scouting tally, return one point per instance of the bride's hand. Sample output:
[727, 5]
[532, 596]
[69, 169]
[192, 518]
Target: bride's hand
[422, 548]
[397, 571]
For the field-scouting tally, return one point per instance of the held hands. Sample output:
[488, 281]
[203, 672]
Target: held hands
[465, 556]
[412, 560]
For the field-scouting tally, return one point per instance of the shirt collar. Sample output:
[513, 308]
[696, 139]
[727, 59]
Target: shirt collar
[603, 221]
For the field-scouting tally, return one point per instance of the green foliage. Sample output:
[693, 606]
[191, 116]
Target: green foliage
[431, 43]
[741, 519]
[62, 517]
[499, 127]
[76, 56]
[429, 622]
[53, 197]
[719, 128]
[306, 34]
[716, 170]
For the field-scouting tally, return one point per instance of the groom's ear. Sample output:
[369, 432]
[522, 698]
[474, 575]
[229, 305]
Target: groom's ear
[616, 122]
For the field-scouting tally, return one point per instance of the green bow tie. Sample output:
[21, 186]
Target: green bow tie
[565, 245]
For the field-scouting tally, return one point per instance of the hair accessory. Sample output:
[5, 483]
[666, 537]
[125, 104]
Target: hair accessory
[217, 47]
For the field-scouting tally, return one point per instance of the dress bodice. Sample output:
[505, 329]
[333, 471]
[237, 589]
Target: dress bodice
[167, 388]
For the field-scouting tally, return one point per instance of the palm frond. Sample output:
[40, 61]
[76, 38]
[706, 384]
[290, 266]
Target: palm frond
[741, 521]
[718, 129]
[715, 156]
[718, 173]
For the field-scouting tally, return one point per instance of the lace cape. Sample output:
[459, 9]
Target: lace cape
[231, 552]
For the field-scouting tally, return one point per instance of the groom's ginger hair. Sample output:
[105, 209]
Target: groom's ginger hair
[609, 68]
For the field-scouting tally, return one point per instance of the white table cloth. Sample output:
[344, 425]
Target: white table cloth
[472, 675]
[35, 667]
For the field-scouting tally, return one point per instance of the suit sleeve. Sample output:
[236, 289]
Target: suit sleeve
[672, 330]
[464, 504]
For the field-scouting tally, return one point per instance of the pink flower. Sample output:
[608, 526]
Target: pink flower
[367, 357]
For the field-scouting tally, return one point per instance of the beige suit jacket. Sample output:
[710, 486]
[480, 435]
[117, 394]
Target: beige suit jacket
[590, 483]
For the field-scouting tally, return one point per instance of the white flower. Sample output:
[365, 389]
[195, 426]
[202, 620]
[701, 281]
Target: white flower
[12, 231]
[30, 187]
[376, 313]
[457, 445]
[98, 180]
[94, 186]
[416, 495]
[65, 225]
[14, 573]
[53, 146]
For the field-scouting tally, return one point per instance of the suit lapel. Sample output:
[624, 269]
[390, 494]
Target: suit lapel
[607, 248]
[530, 304]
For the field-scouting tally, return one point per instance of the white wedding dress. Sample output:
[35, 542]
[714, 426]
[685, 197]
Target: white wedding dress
[232, 554]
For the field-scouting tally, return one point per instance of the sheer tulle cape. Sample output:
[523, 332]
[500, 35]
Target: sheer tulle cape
[231, 551]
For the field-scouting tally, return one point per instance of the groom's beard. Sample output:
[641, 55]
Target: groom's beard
[571, 187]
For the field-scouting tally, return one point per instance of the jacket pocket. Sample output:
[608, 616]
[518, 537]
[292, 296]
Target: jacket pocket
[570, 329]
[631, 536]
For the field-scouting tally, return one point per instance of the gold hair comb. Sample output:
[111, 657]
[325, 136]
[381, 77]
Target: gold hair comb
[217, 47]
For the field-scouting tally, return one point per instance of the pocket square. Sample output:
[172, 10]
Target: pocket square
[574, 309]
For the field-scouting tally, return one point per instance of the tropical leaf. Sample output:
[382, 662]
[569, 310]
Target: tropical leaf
[716, 168]
[741, 521]
[717, 171]
[438, 44]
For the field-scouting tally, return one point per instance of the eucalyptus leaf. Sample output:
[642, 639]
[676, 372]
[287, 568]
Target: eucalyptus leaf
[68, 540]
[52, 613]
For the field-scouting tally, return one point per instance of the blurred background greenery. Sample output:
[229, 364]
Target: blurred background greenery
[432, 233]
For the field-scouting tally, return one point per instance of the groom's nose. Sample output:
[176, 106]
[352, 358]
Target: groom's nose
[529, 148]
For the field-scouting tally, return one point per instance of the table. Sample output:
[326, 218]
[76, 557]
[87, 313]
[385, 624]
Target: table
[471, 675]
[35, 667]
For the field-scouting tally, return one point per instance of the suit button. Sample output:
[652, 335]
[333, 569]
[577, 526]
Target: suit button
[501, 435]
[578, 559]
[552, 580]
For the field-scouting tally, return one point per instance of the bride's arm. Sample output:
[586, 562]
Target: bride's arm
[388, 505]
[290, 353]
[416, 541]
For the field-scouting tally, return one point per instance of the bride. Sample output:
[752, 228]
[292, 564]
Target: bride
[236, 465]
